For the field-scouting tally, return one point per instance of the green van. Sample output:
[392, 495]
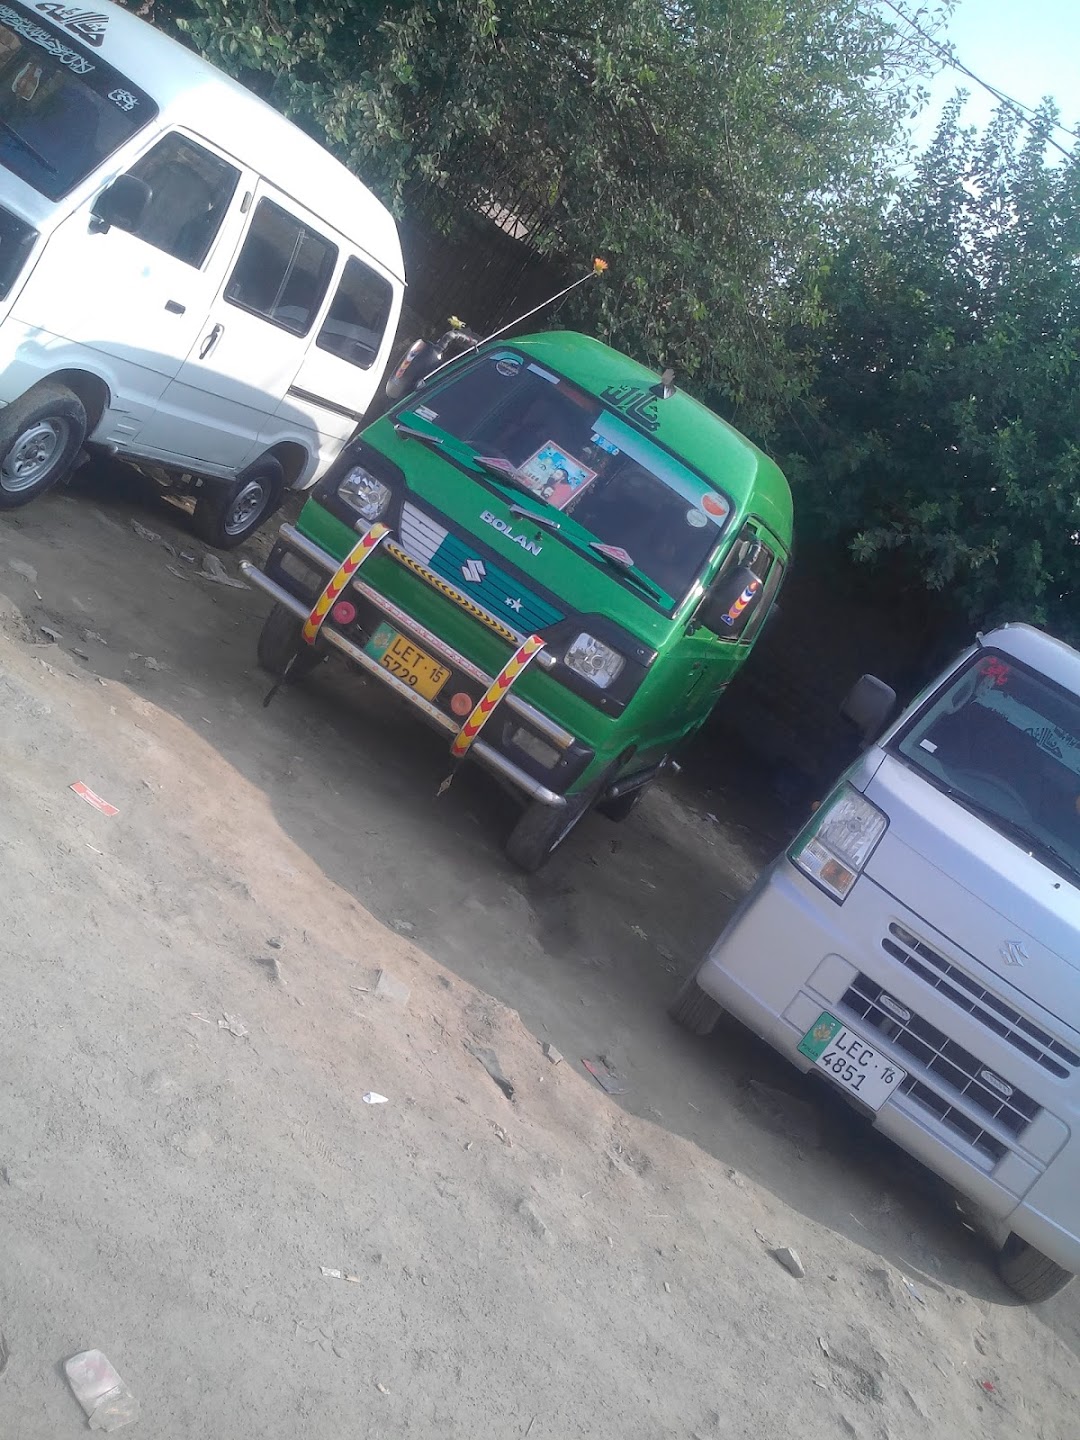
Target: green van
[555, 556]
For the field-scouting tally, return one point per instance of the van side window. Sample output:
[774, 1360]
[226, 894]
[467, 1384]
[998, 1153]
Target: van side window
[751, 550]
[283, 270]
[191, 193]
[354, 328]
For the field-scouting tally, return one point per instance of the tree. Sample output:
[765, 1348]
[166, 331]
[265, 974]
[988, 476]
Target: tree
[707, 148]
[944, 439]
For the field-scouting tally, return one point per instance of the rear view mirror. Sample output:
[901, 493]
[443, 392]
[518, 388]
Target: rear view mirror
[868, 705]
[731, 602]
[123, 204]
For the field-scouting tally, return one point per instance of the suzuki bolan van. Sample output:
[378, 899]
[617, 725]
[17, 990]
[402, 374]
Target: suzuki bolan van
[186, 278]
[919, 944]
[554, 556]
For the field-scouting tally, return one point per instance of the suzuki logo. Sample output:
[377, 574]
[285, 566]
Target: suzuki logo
[474, 571]
[1014, 953]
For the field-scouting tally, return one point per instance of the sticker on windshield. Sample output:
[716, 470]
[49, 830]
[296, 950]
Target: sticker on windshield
[509, 365]
[555, 476]
[26, 82]
[426, 413]
[602, 444]
[695, 518]
[928, 745]
[714, 505]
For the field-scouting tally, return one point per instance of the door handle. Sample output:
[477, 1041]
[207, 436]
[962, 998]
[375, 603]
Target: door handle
[210, 341]
[174, 307]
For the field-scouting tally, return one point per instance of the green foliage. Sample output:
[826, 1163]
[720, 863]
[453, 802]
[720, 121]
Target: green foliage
[708, 148]
[945, 440]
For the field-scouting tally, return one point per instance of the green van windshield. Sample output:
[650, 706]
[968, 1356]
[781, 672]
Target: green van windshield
[563, 445]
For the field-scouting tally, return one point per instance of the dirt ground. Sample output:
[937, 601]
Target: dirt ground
[564, 1264]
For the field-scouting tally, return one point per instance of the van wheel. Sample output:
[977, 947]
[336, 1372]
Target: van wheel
[692, 1008]
[226, 514]
[280, 642]
[41, 435]
[1028, 1272]
[543, 828]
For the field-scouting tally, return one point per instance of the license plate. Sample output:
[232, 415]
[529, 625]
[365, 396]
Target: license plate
[407, 662]
[849, 1061]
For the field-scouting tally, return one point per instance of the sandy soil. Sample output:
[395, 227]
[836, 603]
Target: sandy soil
[566, 1263]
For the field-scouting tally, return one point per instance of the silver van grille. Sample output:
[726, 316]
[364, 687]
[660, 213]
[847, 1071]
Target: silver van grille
[980, 1003]
[958, 1069]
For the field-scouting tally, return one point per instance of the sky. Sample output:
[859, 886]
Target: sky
[1027, 48]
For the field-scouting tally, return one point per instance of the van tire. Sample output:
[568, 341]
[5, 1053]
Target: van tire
[1029, 1273]
[542, 828]
[228, 514]
[41, 435]
[694, 1010]
[280, 641]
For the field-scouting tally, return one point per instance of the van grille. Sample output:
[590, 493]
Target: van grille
[487, 584]
[963, 1073]
[980, 1003]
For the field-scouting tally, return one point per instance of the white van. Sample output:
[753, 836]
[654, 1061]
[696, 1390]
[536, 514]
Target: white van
[919, 943]
[186, 278]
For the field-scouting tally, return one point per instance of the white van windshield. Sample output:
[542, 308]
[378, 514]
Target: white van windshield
[62, 110]
[1005, 742]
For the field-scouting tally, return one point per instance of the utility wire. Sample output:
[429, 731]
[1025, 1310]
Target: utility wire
[949, 56]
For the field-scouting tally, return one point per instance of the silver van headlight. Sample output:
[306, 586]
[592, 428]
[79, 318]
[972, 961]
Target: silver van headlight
[836, 846]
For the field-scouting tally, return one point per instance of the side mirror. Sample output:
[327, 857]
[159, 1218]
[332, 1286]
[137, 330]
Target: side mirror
[729, 605]
[868, 705]
[123, 204]
[416, 364]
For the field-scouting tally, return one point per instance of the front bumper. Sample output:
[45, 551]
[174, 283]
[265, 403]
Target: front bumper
[515, 717]
[790, 952]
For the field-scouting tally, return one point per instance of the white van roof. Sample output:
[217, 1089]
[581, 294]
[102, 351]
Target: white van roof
[193, 93]
[1053, 658]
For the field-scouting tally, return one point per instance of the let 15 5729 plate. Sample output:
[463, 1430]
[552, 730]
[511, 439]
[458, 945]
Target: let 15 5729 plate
[849, 1061]
[407, 661]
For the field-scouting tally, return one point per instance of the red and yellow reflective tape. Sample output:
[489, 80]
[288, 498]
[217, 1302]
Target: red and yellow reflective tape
[518, 662]
[344, 573]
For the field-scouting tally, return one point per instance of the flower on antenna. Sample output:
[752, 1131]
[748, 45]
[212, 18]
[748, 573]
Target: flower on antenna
[599, 266]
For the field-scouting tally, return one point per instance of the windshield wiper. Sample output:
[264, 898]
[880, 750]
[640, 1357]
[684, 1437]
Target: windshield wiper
[27, 145]
[630, 570]
[524, 513]
[407, 432]
[1015, 829]
[503, 470]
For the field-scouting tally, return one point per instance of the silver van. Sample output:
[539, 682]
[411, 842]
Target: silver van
[919, 943]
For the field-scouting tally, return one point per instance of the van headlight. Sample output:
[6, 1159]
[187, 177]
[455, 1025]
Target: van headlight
[364, 493]
[837, 844]
[593, 659]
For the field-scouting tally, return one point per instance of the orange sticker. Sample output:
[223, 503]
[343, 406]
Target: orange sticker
[713, 505]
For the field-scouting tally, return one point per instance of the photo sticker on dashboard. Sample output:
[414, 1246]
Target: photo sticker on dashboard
[555, 476]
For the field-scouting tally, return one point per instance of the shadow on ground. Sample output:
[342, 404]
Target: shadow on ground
[588, 952]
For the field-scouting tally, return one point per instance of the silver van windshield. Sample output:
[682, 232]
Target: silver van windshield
[62, 109]
[1005, 742]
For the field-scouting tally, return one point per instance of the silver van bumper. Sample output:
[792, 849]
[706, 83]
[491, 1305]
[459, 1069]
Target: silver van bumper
[790, 952]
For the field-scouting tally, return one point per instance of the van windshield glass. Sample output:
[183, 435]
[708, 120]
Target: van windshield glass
[1006, 742]
[636, 505]
[62, 110]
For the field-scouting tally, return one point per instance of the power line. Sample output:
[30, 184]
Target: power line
[1024, 112]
